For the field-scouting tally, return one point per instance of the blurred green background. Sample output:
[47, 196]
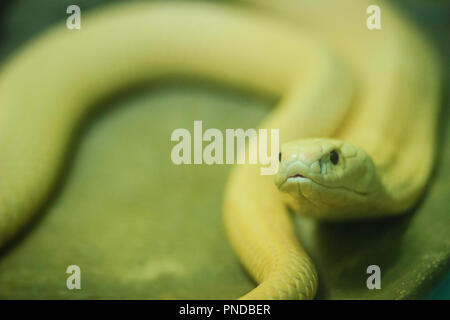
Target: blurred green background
[142, 228]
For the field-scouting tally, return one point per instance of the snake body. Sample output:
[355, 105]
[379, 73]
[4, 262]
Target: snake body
[369, 98]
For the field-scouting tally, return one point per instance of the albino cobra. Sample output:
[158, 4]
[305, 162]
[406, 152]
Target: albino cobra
[367, 100]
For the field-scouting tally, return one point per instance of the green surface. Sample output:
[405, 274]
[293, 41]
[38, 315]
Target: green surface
[141, 227]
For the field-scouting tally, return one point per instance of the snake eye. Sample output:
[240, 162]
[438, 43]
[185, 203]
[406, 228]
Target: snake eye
[279, 156]
[334, 157]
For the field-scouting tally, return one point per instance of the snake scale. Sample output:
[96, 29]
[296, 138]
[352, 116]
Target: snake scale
[357, 112]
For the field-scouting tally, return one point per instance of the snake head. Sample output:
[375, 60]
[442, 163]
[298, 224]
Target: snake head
[327, 176]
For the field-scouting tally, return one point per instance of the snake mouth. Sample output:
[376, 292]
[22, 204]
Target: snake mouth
[295, 184]
[294, 179]
[298, 179]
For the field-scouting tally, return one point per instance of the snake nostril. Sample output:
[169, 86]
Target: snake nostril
[316, 167]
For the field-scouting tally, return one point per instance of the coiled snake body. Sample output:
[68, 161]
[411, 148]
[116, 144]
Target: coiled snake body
[357, 112]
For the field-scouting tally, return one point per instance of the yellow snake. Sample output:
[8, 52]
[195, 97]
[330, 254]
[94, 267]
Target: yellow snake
[357, 112]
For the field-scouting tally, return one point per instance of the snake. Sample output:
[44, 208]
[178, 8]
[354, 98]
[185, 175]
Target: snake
[357, 112]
